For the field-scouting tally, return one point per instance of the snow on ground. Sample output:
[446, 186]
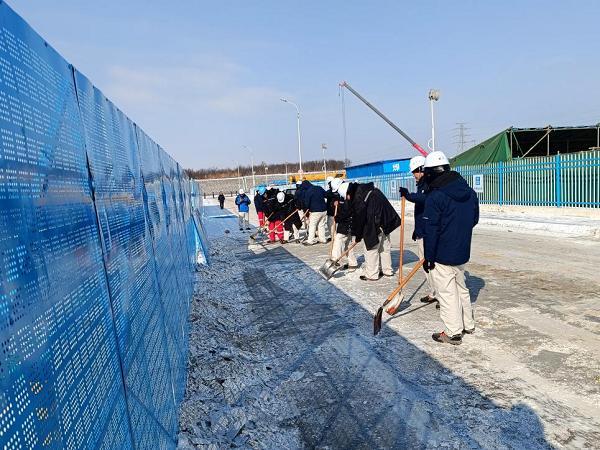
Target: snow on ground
[281, 358]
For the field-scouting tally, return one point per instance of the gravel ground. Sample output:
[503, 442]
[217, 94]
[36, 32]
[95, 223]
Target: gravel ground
[281, 358]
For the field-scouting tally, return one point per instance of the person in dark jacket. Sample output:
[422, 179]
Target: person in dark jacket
[272, 210]
[291, 220]
[221, 200]
[451, 212]
[417, 167]
[258, 204]
[331, 198]
[343, 225]
[373, 219]
[313, 200]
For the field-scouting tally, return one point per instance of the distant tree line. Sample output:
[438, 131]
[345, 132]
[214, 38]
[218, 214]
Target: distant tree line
[307, 166]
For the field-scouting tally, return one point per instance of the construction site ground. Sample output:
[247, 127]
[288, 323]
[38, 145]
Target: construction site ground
[282, 358]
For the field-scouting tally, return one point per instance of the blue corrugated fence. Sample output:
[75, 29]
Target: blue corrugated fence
[98, 242]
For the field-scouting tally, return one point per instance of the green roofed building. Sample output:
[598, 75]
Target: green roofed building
[523, 142]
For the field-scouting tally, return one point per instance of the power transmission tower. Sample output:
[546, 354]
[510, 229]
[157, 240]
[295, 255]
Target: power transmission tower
[461, 137]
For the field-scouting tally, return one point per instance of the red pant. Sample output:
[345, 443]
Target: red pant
[261, 218]
[275, 228]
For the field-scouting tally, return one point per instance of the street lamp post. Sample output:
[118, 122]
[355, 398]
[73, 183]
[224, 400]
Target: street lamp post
[266, 178]
[323, 148]
[252, 162]
[434, 96]
[285, 100]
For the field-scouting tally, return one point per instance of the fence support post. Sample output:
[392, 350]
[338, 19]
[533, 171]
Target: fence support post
[501, 183]
[557, 177]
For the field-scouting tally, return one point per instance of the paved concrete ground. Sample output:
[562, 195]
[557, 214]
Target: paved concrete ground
[302, 368]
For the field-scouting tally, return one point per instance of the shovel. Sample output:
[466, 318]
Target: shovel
[334, 230]
[393, 308]
[330, 266]
[261, 229]
[377, 318]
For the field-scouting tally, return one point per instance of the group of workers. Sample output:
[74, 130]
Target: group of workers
[446, 210]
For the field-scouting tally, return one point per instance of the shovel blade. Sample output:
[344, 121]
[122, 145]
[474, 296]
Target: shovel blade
[328, 269]
[377, 321]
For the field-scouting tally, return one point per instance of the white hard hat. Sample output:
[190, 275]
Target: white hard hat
[343, 189]
[416, 162]
[280, 197]
[335, 184]
[435, 159]
[241, 191]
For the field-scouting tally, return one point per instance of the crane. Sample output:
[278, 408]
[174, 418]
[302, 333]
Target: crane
[416, 146]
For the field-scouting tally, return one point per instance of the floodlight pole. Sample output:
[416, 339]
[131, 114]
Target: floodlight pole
[434, 96]
[285, 100]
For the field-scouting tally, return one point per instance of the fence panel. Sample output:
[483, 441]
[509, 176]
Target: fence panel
[98, 240]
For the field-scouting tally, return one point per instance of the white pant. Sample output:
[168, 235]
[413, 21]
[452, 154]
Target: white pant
[421, 252]
[380, 255]
[286, 233]
[340, 243]
[317, 221]
[454, 297]
[243, 219]
[330, 225]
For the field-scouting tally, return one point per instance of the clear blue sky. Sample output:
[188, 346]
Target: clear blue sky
[204, 78]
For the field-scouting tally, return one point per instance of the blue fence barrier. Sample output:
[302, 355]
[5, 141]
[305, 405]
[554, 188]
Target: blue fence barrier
[571, 179]
[98, 241]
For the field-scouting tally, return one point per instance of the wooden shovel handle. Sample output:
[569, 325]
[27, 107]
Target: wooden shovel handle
[400, 270]
[346, 252]
[404, 281]
[334, 230]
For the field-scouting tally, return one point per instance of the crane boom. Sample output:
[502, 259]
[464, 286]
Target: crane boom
[388, 121]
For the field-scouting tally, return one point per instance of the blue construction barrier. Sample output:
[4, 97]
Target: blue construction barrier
[98, 242]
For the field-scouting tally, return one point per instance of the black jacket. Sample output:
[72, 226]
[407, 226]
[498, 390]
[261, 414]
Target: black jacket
[343, 219]
[451, 212]
[372, 213]
[293, 218]
[313, 198]
[221, 198]
[418, 198]
[330, 198]
[258, 203]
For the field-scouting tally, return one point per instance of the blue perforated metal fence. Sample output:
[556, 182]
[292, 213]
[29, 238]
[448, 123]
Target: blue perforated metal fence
[98, 240]
[571, 179]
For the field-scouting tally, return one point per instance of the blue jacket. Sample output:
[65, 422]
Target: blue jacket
[418, 198]
[451, 212]
[243, 203]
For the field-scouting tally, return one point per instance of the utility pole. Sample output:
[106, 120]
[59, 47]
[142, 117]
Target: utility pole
[434, 96]
[323, 148]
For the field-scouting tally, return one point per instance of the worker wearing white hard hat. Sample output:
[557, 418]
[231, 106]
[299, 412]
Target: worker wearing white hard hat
[451, 212]
[243, 203]
[342, 238]
[417, 167]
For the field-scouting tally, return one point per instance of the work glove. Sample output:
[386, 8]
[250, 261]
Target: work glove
[403, 192]
[428, 265]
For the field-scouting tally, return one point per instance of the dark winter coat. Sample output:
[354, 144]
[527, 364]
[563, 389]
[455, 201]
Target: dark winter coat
[269, 204]
[451, 212]
[343, 219]
[418, 198]
[289, 206]
[258, 203]
[314, 198]
[221, 198]
[300, 193]
[372, 214]
[243, 203]
[330, 198]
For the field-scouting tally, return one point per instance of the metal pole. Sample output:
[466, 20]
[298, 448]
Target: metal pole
[323, 147]
[285, 100]
[266, 179]
[251, 162]
[432, 126]
[388, 121]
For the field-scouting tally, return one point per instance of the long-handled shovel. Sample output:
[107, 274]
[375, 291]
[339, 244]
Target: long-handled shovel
[394, 307]
[285, 220]
[377, 318]
[261, 229]
[330, 266]
[334, 231]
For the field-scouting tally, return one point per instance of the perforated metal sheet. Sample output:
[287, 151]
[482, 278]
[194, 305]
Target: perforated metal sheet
[97, 254]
